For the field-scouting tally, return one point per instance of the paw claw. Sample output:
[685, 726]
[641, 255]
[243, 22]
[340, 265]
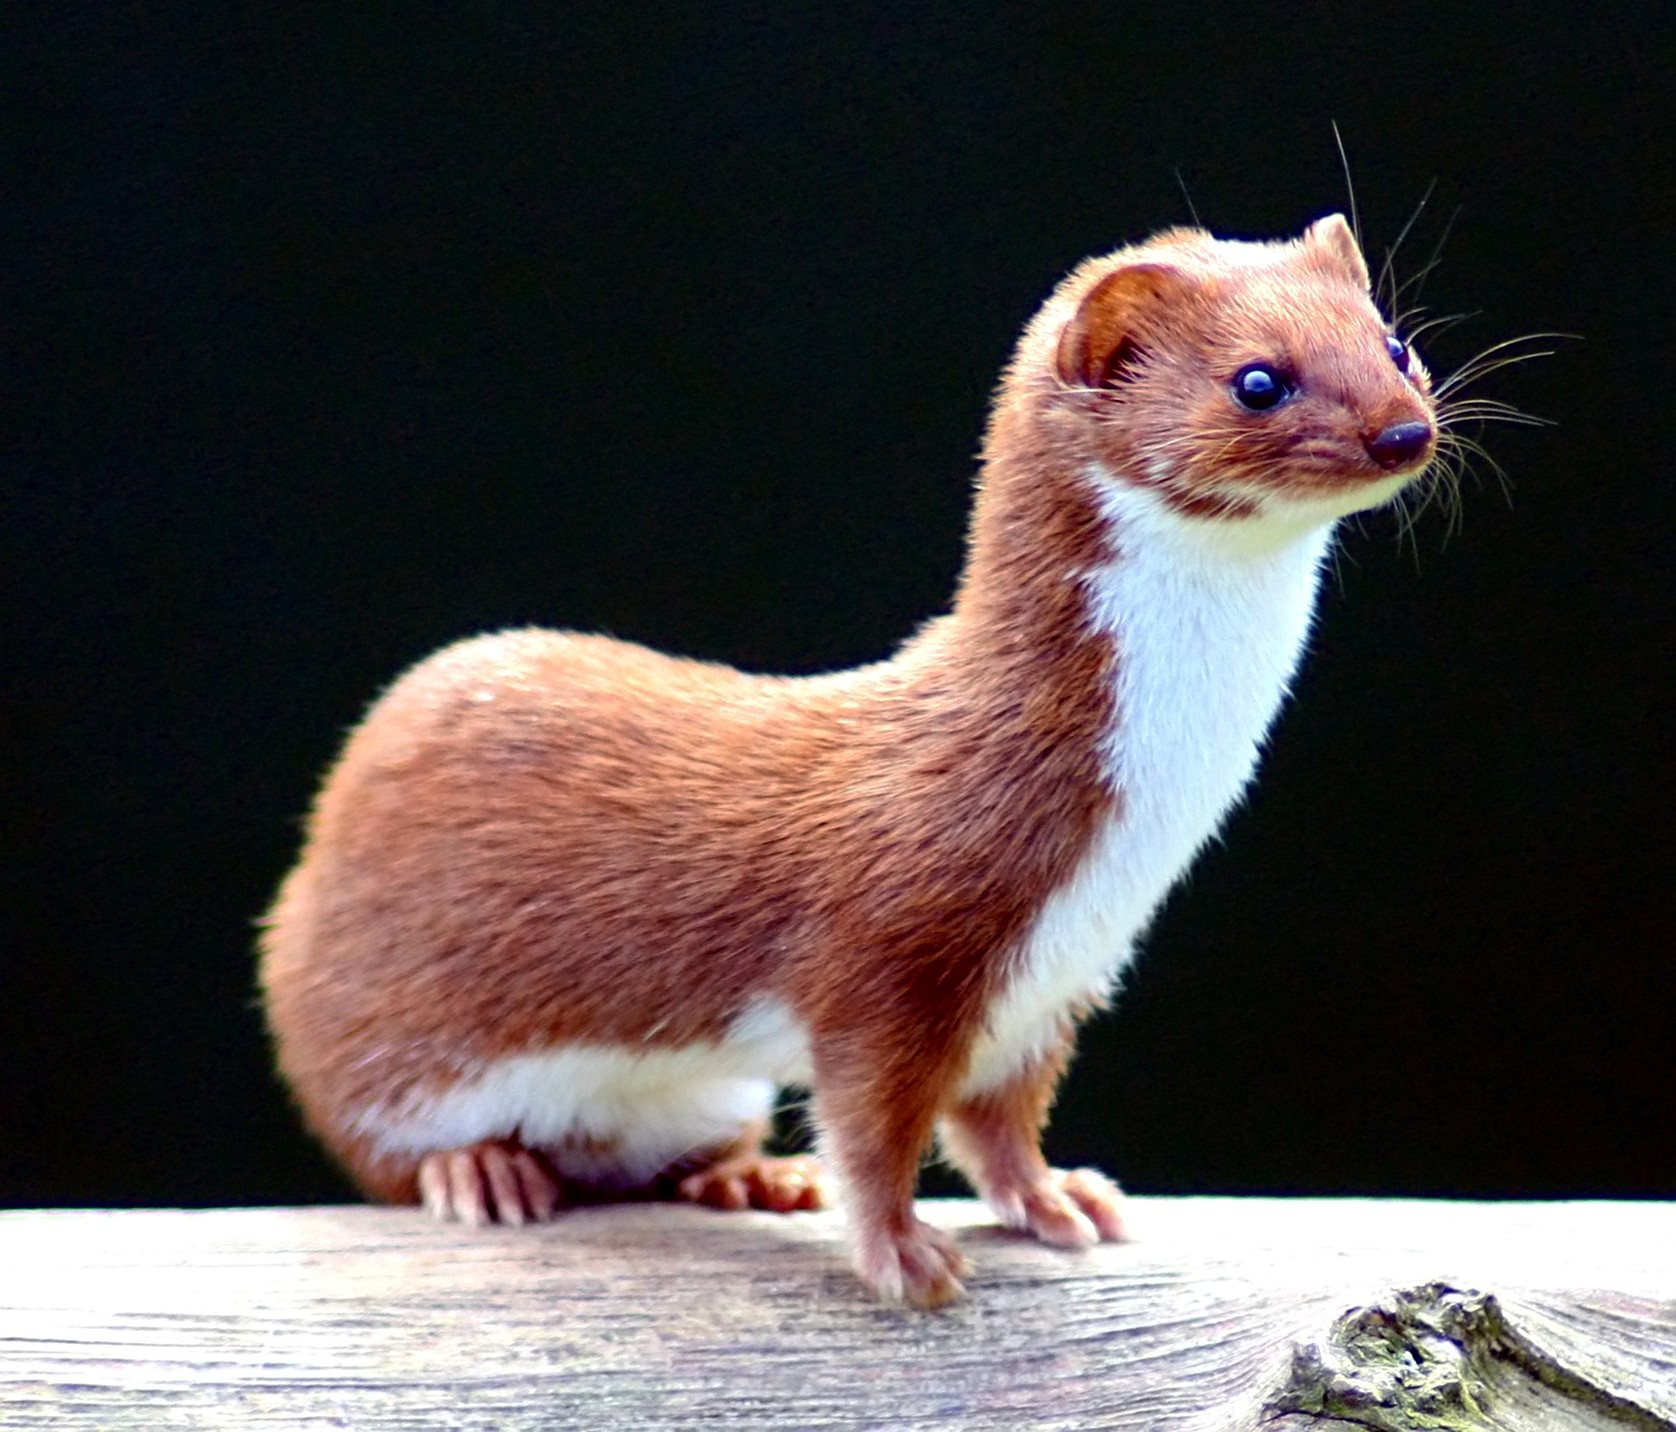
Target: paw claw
[919, 1266]
[1074, 1209]
[777, 1185]
[543, 1195]
[496, 1182]
[1100, 1200]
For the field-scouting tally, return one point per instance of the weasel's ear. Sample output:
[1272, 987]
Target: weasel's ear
[1112, 318]
[1333, 238]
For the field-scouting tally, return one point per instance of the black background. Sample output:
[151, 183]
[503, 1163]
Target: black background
[338, 335]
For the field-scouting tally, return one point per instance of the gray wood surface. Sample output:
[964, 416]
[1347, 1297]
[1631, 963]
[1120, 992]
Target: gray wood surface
[1223, 1314]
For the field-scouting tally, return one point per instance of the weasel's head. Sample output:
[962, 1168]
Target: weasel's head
[1239, 382]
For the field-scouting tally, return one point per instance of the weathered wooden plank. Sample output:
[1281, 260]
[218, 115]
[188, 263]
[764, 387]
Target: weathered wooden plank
[1223, 1314]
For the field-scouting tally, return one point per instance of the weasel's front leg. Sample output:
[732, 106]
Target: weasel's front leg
[994, 1138]
[877, 1109]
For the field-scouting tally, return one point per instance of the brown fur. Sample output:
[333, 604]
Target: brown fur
[537, 838]
[1151, 348]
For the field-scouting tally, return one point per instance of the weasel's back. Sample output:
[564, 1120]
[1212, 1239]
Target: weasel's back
[534, 838]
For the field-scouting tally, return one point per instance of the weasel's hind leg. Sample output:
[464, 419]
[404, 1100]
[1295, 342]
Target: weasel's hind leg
[743, 1176]
[495, 1181]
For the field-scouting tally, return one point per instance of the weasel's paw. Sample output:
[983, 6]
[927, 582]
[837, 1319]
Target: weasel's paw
[1073, 1209]
[494, 1182]
[919, 1265]
[754, 1181]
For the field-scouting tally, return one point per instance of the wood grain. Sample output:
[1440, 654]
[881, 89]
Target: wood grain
[1223, 1314]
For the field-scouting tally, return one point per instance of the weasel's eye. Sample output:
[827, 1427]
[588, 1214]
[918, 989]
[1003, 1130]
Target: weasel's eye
[1398, 351]
[1259, 387]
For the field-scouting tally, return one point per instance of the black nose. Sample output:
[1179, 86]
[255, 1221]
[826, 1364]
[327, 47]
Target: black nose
[1399, 444]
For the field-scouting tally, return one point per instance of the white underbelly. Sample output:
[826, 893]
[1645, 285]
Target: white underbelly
[611, 1114]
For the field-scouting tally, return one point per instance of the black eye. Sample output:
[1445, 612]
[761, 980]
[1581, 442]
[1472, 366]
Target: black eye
[1398, 351]
[1259, 387]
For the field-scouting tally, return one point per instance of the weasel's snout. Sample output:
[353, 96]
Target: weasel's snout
[1399, 445]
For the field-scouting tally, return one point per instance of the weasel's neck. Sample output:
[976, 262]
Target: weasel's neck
[1209, 629]
[1201, 639]
[1203, 620]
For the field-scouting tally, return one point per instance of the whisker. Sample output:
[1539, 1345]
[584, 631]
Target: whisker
[1479, 364]
[1438, 324]
[1349, 185]
[1335, 561]
[1480, 368]
[1387, 274]
[1407, 519]
[1461, 405]
[1192, 209]
[1478, 403]
[1464, 448]
[1417, 281]
[1451, 415]
[1444, 486]
[1525, 338]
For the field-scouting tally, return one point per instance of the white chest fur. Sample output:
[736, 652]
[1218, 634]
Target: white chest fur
[1208, 634]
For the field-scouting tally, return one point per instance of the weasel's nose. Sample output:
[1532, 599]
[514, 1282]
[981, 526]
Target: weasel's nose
[1399, 444]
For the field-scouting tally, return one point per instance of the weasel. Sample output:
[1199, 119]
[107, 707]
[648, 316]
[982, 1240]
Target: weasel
[570, 911]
